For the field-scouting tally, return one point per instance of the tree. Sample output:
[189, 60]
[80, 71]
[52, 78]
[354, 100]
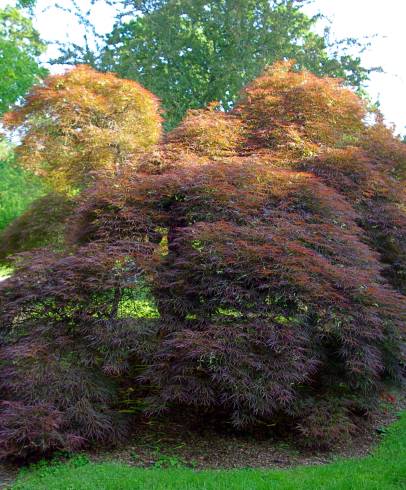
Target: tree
[258, 254]
[20, 48]
[81, 123]
[26, 3]
[73, 127]
[190, 53]
[17, 187]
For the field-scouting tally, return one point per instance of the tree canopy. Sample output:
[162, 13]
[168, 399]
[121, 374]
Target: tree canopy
[190, 53]
[72, 128]
[272, 262]
[20, 48]
[83, 122]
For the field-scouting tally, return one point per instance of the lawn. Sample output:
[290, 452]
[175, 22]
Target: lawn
[384, 469]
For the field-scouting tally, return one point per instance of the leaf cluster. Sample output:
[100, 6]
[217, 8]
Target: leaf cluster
[81, 123]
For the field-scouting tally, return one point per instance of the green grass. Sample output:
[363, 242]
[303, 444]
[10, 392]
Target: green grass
[383, 470]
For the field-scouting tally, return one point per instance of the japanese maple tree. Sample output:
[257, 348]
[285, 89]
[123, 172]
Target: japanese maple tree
[273, 260]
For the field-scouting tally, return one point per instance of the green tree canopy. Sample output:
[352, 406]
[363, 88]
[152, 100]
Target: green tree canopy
[18, 188]
[192, 52]
[20, 47]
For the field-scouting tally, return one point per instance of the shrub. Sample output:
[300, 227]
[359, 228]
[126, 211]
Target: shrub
[65, 346]
[371, 182]
[266, 296]
[381, 144]
[326, 423]
[74, 128]
[204, 135]
[27, 429]
[209, 132]
[271, 301]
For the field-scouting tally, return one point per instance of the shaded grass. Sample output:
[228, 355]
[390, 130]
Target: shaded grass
[385, 469]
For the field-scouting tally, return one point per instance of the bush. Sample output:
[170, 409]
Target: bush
[297, 111]
[209, 132]
[73, 128]
[65, 346]
[27, 429]
[204, 135]
[270, 300]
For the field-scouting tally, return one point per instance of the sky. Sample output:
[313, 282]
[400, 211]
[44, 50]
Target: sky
[382, 21]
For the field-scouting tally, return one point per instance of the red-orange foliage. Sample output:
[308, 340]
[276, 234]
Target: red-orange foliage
[297, 111]
[209, 132]
[383, 147]
[74, 128]
[81, 123]
[203, 136]
[273, 270]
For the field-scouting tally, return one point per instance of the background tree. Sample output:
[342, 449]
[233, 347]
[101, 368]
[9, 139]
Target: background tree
[18, 188]
[192, 52]
[26, 3]
[20, 48]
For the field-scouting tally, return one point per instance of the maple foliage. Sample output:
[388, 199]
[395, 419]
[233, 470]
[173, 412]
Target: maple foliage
[74, 128]
[83, 122]
[298, 110]
[274, 259]
[209, 132]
